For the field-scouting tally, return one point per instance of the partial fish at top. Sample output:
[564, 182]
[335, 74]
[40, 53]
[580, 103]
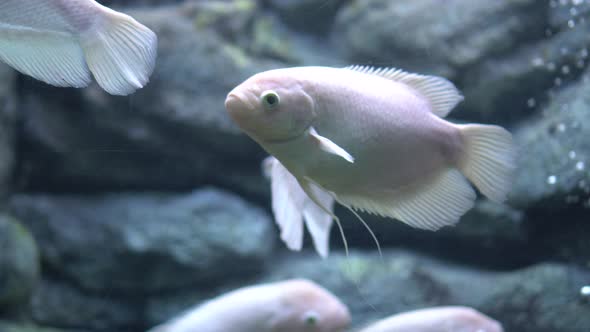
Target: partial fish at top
[61, 42]
[372, 140]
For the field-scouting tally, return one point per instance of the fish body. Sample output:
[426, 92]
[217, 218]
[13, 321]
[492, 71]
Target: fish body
[442, 319]
[371, 139]
[365, 130]
[61, 42]
[296, 305]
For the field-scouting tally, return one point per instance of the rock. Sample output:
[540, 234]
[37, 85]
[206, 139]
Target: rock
[19, 263]
[308, 15]
[147, 242]
[6, 326]
[567, 14]
[57, 303]
[431, 36]
[172, 135]
[555, 170]
[509, 88]
[539, 298]
[7, 127]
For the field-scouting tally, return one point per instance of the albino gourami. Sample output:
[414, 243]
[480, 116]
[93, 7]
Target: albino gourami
[61, 42]
[440, 319]
[296, 305]
[372, 140]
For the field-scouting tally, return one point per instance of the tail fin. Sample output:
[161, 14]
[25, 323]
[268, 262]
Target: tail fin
[488, 160]
[121, 54]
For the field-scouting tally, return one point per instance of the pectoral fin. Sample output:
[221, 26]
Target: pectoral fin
[329, 146]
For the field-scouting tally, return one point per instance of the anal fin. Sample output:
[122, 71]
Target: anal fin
[427, 205]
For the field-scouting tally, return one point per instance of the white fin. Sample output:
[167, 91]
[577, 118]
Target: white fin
[51, 57]
[318, 217]
[440, 92]
[329, 146]
[430, 205]
[293, 202]
[287, 203]
[489, 159]
[121, 53]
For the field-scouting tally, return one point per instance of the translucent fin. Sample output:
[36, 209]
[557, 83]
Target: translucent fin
[287, 203]
[429, 205]
[441, 93]
[121, 54]
[330, 147]
[318, 221]
[293, 202]
[489, 159]
[51, 57]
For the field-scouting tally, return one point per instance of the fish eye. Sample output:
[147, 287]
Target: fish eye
[270, 99]
[311, 318]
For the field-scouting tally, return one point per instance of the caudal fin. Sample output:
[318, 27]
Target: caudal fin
[489, 159]
[121, 54]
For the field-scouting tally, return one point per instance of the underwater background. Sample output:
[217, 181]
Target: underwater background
[118, 213]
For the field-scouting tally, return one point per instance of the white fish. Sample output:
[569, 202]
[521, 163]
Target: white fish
[296, 305]
[442, 319]
[61, 42]
[372, 139]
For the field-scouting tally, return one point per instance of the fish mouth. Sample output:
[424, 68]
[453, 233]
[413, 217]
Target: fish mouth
[233, 101]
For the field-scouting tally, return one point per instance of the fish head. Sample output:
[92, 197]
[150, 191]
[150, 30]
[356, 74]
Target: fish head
[272, 106]
[307, 307]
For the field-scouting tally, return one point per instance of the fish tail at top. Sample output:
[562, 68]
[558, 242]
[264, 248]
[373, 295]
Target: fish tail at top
[121, 52]
[489, 159]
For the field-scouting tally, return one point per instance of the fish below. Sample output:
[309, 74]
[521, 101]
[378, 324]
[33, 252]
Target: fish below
[61, 42]
[439, 319]
[296, 305]
[373, 140]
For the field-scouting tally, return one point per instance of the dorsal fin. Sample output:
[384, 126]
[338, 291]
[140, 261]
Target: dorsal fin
[441, 93]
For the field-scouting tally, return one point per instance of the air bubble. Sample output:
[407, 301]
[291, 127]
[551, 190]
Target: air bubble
[531, 102]
[584, 53]
[577, 2]
[572, 154]
[551, 66]
[561, 127]
[571, 24]
[564, 51]
[573, 11]
[585, 291]
[558, 81]
[538, 62]
[565, 70]
[580, 166]
[552, 179]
